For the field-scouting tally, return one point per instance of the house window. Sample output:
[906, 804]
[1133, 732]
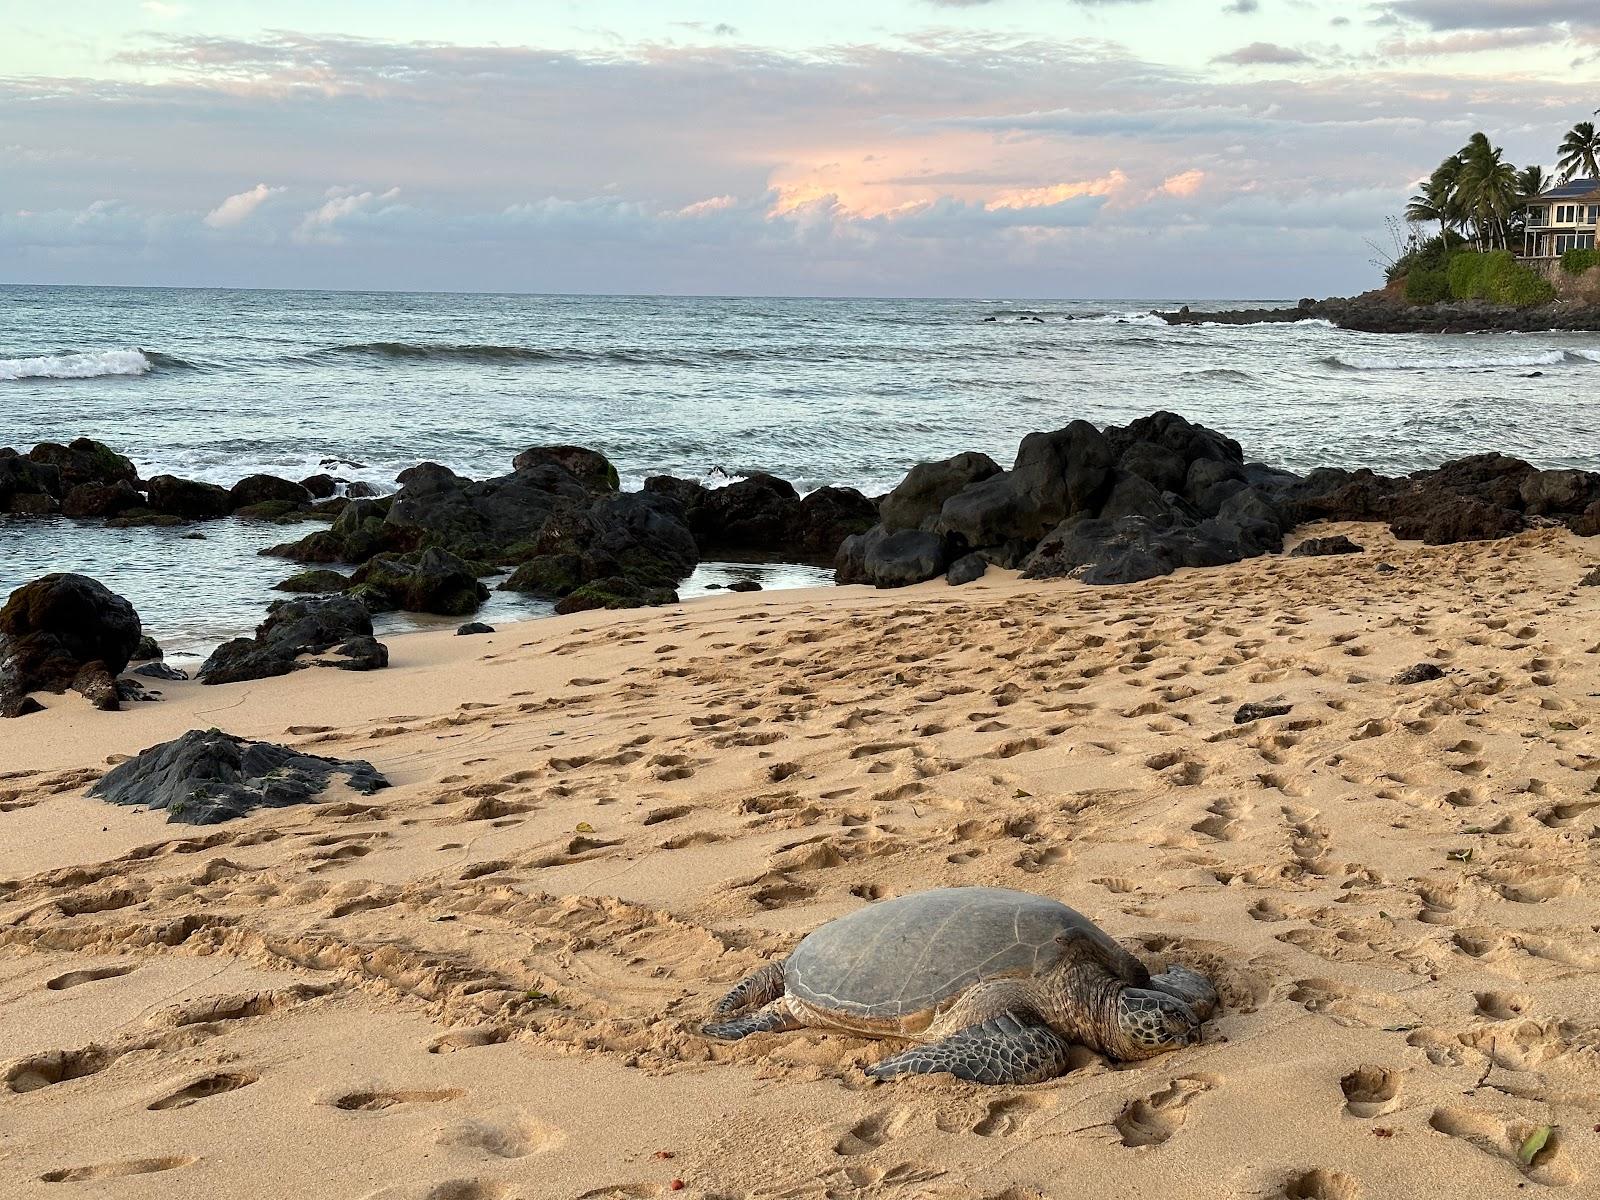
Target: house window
[1567, 214]
[1594, 215]
[1573, 241]
[1538, 216]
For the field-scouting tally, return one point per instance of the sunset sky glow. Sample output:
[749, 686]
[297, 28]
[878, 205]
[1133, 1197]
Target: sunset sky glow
[1133, 148]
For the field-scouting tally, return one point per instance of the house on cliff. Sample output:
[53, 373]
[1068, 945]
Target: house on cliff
[1564, 218]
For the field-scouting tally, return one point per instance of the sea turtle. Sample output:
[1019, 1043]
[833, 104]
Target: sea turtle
[994, 985]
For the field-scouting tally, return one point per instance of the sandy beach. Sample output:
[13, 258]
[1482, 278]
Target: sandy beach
[486, 981]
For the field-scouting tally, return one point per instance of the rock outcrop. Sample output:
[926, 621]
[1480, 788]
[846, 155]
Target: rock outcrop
[64, 631]
[207, 776]
[764, 517]
[1142, 500]
[332, 632]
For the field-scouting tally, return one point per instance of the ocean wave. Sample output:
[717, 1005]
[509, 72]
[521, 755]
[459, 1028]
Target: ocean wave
[1122, 318]
[1546, 358]
[445, 352]
[1219, 374]
[86, 364]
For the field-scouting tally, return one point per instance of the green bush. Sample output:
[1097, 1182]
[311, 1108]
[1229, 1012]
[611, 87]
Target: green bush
[1576, 262]
[1498, 278]
[1430, 255]
[1425, 286]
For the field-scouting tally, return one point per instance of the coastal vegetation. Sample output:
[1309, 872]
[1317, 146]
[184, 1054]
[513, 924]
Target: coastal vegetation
[1479, 202]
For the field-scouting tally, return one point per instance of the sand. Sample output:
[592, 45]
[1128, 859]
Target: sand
[485, 982]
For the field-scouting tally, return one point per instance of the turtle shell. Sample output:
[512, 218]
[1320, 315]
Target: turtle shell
[899, 958]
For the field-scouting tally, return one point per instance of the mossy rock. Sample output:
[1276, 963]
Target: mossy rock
[144, 518]
[615, 593]
[314, 581]
[547, 575]
[282, 512]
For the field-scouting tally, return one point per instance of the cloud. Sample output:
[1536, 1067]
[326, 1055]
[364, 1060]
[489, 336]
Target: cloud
[1446, 15]
[237, 208]
[1242, 7]
[319, 224]
[1186, 184]
[1263, 54]
[949, 163]
[162, 11]
[1471, 42]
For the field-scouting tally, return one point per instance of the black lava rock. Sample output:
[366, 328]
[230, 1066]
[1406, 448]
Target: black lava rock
[474, 628]
[338, 627]
[966, 569]
[1260, 711]
[1421, 673]
[160, 670]
[64, 631]
[207, 776]
[1317, 547]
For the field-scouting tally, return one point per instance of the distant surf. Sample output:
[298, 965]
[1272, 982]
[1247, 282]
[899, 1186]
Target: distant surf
[87, 364]
[1486, 362]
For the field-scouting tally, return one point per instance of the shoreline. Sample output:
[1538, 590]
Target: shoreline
[599, 821]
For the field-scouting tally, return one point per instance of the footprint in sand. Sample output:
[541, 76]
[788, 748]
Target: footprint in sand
[202, 1089]
[1370, 1091]
[1350, 1006]
[378, 1101]
[867, 1135]
[1504, 1140]
[509, 1137]
[1320, 1184]
[469, 1039]
[1007, 1118]
[1154, 1119]
[116, 1170]
[1502, 1006]
[74, 979]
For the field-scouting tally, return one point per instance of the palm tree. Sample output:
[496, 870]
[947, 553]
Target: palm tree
[1532, 181]
[1488, 189]
[1437, 200]
[1578, 152]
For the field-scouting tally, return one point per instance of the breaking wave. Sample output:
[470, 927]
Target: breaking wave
[1122, 318]
[1547, 358]
[87, 364]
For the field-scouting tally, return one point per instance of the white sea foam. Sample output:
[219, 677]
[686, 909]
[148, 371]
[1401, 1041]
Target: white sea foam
[1124, 318]
[86, 365]
[1546, 358]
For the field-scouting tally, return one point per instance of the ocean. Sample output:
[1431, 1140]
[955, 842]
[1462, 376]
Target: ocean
[218, 384]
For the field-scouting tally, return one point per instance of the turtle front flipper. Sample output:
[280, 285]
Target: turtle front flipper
[774, 1018]
[761, 986]
[1193, 988]
[1010, 1048]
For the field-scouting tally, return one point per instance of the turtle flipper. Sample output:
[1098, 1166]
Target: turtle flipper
[761, 986]
[1010, 1048]
[774, 1018]
[1193, 988]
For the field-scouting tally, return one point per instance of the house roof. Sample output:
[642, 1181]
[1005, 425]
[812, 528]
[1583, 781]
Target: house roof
[1575, 189]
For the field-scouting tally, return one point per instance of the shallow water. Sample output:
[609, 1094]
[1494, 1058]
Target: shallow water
[219, 384]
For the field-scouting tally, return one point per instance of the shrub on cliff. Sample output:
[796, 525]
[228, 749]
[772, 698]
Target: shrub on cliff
[1576, 262]
[1427, 286]
[1498, 278]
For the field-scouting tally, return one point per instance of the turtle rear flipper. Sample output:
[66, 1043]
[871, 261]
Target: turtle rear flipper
[1010, 1048]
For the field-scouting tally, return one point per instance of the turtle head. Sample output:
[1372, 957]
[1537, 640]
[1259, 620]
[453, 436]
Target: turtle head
[1147, 1022]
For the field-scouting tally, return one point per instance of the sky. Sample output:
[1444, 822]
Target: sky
[995, 148]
